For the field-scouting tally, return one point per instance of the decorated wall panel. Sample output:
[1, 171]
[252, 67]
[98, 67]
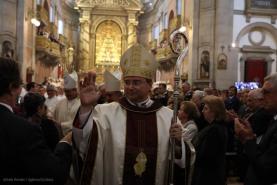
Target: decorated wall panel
[108, 44]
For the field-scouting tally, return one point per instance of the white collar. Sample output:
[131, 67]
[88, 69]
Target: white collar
[144, 104]
[7, 106]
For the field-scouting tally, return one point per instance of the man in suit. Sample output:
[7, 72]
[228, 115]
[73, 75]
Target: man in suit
[24, 155]
[262, 154]
[257, 116]
[232, 102]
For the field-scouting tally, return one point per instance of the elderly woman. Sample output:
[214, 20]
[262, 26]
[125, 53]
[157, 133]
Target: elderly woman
[187, 114]
[197, 98]
[211, 145]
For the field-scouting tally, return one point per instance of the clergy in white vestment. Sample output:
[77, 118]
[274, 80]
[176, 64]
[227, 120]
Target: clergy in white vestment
[67, 108]
[51, 100]
[125, 142]
[112, 87]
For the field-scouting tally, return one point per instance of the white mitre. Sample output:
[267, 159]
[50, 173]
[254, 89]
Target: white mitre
[111, 82]
[71, 81]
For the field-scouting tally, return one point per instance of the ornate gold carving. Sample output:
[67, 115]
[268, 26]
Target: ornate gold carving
[108, 44]
[94, 47]
[55, 49]
[84, 43]
[175, 23]
[153, 44]
[164, 53]
[105, 3]
[164, 35]
[42, 43]
[46, 51]
[62, 39]
[132, 37]
[53, 28]
[42, 14]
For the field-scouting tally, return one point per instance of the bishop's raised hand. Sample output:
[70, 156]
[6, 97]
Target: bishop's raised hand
[88, 92]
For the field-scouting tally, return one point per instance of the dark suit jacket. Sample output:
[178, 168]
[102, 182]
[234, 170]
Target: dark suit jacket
[259, 121]
[25, 156]
[210, 149]
[232, 103]
[263, 158]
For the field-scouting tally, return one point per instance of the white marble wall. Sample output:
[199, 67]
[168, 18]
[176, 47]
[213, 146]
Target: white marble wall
[216, 24]
[241, 30]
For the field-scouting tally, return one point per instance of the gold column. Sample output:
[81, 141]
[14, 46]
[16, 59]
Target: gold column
[132, 29]
[93, 49]
[84, 40]
[69, 62]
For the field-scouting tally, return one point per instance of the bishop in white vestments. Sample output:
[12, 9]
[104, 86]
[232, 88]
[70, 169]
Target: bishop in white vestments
[125, 142]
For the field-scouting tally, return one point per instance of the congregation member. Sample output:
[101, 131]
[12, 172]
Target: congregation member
[259, 119]
[164, 95]
[24, 155]
[232, 102]
[211, 145]
[187, 115]
[197, 98]
[67, 108]
[32, 87]
[257, 116]
[262, 155]
[42, 90]
[186, 90]
[36, 113]
[130, 139]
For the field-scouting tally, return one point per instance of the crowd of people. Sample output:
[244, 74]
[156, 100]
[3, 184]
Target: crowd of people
[104, 135]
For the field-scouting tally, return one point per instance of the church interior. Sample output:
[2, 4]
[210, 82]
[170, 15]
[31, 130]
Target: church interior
[228, 41]
[214, 47]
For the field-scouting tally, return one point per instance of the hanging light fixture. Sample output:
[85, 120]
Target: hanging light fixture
[35, 22]
[183, 29]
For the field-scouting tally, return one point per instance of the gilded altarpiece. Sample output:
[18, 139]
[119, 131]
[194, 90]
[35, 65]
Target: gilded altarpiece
[108, 44]
[108, 28]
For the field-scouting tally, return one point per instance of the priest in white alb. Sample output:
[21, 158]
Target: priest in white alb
[67, 108]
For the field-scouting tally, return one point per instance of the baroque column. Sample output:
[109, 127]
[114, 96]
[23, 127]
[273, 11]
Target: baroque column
[92, 50]
[132, 29]
[84, 40]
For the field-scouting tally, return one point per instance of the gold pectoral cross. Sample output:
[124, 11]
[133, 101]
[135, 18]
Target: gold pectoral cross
[140, 166]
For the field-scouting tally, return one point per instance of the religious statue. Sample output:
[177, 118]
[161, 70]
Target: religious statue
[70, 59]
[222, 60]
[7, 49]
[205, 64]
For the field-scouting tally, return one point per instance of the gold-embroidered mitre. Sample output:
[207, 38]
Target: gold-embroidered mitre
[137, 61]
